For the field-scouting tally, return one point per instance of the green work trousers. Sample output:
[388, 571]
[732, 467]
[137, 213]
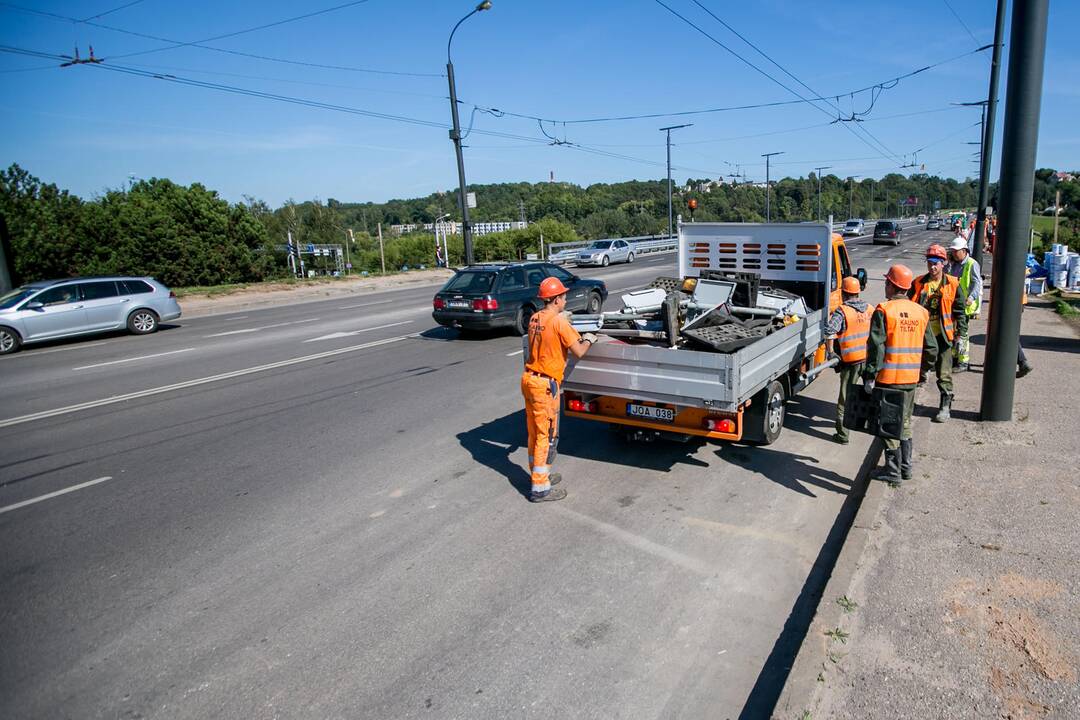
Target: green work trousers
[849, 374]
[905, 431]
[944, 365]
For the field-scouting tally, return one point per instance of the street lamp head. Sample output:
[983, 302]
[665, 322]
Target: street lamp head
[486, 5]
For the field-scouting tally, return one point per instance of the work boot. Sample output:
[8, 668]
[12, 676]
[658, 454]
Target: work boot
[960, 367]
[891, 472]
[943, 408]
[840, 439]
[905, 459]
[549, 496]
[555, 479]
[1023, 370]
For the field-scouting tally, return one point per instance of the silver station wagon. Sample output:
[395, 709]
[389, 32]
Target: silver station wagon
[53, 309]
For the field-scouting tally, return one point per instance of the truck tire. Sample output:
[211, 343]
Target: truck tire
[764, 420]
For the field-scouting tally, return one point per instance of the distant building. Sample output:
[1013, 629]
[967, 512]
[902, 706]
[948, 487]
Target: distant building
[402, 229]
[486, 228]
[449, 227]
[705, 186]
[1064, 176]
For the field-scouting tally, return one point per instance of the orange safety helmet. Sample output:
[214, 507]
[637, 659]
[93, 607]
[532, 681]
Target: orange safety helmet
[551, 287]
[900, 276]
[851, 285]
[936, 251]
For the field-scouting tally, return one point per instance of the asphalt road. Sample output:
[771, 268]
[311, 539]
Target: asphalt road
[318, 511]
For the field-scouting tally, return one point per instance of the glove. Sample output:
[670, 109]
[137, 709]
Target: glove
[956, 344]
[589, 337]
[868, 386]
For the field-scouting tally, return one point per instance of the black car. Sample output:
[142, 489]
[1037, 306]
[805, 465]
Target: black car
[485, 297]
[887, 230]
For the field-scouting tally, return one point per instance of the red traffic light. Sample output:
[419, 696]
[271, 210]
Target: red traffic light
[692, 203]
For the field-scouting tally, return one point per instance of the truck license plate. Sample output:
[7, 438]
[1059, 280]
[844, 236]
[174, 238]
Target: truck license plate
[650, 412]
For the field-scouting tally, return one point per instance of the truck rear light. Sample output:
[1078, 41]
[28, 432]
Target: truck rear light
[486, 304]
[723, 425]
[576, 405]
[439, 303]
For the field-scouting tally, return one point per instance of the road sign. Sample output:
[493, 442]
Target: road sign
[311, 248]
[470, 199]
[937, 204]
[911, 200]
[348, 266]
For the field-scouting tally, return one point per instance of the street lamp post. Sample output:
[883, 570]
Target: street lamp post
[817, 171]
[668, 131]
[455, 135]
[851, 195]
[768, 208]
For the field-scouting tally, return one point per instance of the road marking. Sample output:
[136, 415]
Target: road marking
[516, 352]
[194, 383]
[261, 327]
[77, 346]
[334, 336]
[47, 496]
[127, 360]
[239, 317]
[350, 307]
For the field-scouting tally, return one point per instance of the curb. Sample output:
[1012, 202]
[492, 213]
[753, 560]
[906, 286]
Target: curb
[803, 691]
[800, 693]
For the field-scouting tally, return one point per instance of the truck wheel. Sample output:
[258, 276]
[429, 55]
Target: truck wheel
[765, 417]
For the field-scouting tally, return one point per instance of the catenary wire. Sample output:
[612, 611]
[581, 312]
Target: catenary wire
[961, 21]
[110, 12]
[238, 53]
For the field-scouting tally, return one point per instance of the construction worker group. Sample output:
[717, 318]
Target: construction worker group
[921, 326]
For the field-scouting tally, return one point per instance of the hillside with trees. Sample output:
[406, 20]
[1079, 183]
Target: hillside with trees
[191, 236]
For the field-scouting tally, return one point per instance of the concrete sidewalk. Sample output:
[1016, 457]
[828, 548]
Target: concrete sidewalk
[955, 595]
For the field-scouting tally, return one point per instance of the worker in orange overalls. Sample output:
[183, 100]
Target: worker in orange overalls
[849, 325]
[901, 344]
[550, 337]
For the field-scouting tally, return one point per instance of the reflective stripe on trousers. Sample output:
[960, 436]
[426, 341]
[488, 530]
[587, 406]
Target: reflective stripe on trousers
[542, 419]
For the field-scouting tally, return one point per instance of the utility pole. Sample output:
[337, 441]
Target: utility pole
[5, 273]
[348, 258]
[521, 211]
[768, 208]
[990, 110]
[1020, 139]
[1057, 215]
[670, 229]
[872, 189]
[382, 254]
[455, 135]
[817, 171]
[851, 195]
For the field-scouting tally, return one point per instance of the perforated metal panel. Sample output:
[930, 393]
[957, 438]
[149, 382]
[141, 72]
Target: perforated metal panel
[778, 251]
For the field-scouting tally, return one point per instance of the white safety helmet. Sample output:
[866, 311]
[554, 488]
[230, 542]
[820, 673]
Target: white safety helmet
[959, 243]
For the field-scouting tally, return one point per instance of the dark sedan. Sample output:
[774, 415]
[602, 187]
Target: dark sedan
[887, 231]
[486, 297]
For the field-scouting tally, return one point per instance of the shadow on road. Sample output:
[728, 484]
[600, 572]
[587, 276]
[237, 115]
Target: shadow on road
[770, 681]
[492, 443]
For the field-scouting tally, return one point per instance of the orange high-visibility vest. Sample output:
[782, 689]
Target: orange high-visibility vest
[948, 289]
[905, 328]
[856, 331]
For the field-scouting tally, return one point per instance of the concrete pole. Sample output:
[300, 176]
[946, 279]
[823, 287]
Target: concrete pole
[455, 135]
[1020, 139]
[768, 209]
[1057, 214]
[668, 130]
[382, 254]
[988, 135]
[5, 274]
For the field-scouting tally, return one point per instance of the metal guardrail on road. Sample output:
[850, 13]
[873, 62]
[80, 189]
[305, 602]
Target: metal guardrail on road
[565, 252]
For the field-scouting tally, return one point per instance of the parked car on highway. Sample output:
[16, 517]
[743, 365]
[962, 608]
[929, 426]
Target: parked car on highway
[855, 226]
[933, 224]
[605, 252]
[498, 295]
[54, 309]
[887, 230]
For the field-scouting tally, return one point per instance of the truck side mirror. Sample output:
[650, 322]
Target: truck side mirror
[861, 274]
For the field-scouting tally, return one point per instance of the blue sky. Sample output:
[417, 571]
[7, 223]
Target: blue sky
[89, 129]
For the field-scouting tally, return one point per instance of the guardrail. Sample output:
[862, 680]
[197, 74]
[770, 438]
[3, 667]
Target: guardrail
[560, 253]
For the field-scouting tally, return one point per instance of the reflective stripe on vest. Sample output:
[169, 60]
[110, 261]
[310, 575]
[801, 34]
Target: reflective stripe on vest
[905, 327]
[947, 290]
[972, 307]
[856, 331]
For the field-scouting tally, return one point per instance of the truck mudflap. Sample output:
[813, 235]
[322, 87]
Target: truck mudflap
[663, 418]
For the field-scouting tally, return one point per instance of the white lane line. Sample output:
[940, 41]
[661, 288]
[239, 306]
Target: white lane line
[30, 352]
[516, 352]
[238, 317]
[350, 307]
[47, 496]
[127, 360]
[193, 383]
[334, 336]
[261, 327]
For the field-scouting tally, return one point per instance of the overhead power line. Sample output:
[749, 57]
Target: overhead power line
[110, 12]
[265, 26]
[238, 53]
[961, 21]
